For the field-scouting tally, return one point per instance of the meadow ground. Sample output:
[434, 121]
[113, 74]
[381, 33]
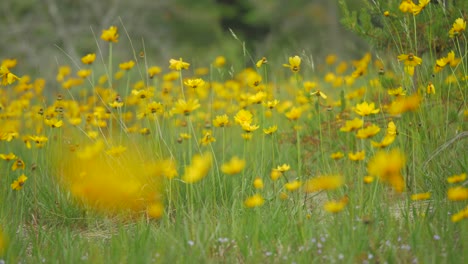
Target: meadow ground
[295, 161]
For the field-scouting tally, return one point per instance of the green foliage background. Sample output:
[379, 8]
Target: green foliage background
[43, 35]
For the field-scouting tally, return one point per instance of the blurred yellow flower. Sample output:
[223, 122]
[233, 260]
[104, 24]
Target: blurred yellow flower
[351, 125]
[8, 157]
[420, 6]
[337, 155]
[368, 131]
[125, 66]
[399, 91]
[457, 178]
[219, 61]
[185, 107]
[387, 166]
[9, 63]
[410, 59]
[258, 183]
[294, 64]
[84, 73]
[110, 34]
[275, 174]
[243, 116]
[18, 164]
[198, 169]
[293, 185]
[249, 127]
[463, 214]
[262, 61]
[270, 130]
[19, 183]
[6, 76]
[207, 138]
[404, 104]
[194, 83]
[458, 27]
[368, 179]
[407, 6]
[155, 210]
[178, 65]
[319, 93]
[254, 201]
[221, 121]
[365, 109]
[358, 155]
[430, 88]
[320, 183]
[420, 196]
[153, 71]
[336, 206]
[116, 151]
[458, 193]
[234, 166]
[88, 58]
[294, 114]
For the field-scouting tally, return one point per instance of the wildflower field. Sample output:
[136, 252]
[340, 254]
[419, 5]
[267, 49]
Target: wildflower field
[276, 161]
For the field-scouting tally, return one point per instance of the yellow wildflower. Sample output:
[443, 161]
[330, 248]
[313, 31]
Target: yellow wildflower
[88, 58]
[219, 61]
[243, 116]
[320, 183]
[458, 27]
[275, 174]
[351, 125]
[199, 168]
[254, 201]
[359, 155]
[387, 166]
[460, 215]
[410, 59]
[207, 138]
[430, 88]
[262, 61]
[155, 210]
[293, 185]
[153, 70]
[84, 73]
[8, 157]
[6, 76]
[337, 155]
[116, 151]
[458, 193]
[110, 34]
[178, 64]
[397, 91]
[294, 64]
[19, 183]
[221, 121]
[125, 66]
[194, 83]
[457, 178]
[234, 166]
[258, 183]
[294, 114]
[336, 206]
[407, 6]
[368, 131]
[185, 107]
[368, 179]
[270, 130]
[18, 164]
[365, 109]
[404, 104]
[420, 196]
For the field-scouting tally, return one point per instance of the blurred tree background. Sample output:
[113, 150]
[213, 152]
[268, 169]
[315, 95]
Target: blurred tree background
[45, 34]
